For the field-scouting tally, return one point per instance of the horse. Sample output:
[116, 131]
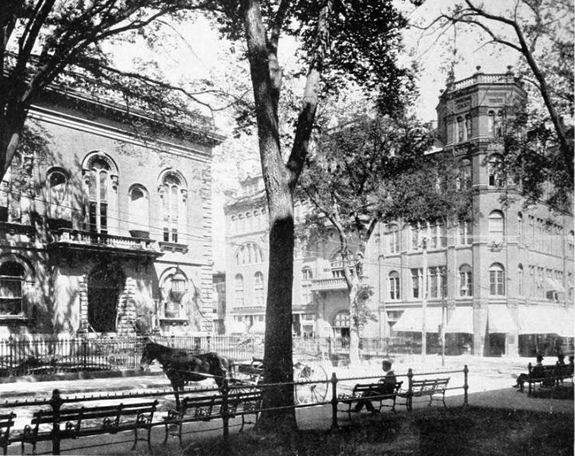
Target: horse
[182, 366]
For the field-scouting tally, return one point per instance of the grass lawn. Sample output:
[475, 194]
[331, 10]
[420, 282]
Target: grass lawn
[435, 431]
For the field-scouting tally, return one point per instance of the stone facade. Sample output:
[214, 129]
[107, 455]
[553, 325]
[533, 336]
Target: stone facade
[104, 228]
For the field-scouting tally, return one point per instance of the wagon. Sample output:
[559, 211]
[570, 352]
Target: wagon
[310, 379]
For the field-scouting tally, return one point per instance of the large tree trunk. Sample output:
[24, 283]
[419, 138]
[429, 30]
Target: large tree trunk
[278, 362]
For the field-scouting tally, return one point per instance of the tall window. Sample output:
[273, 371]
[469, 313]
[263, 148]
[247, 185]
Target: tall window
[172, 206]
[496, 226]
[306, 278]
[491, 124]
[337, 264]
[139, 209]
[393, 239]
[11, 288]
[58, 195]
[239, 290]
[495, 171]
[436, 282]
[464, 232]
[259, 289]
[460, 130]
[394, 293]
[520, 226]
[416, 283]
[465, 281]
[98, 181]
[12, 189]
[464, 181]
[496, 280]
[468, 127]
[520, 290]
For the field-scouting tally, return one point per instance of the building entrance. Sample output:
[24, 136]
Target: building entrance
[105, 284]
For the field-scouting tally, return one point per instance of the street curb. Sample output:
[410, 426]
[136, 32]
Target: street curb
[77, 376]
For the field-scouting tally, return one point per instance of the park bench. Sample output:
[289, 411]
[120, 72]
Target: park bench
[548, 375]
[6, 423]
[367, 391]
[207, 408]
[89, 421]
[431, 387]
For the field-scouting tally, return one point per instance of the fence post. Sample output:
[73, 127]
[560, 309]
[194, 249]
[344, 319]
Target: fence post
[11, 349]
[465, 384]
[84, 354]
[225, 416]
[56, 402]
[333, 381]
[410, 389]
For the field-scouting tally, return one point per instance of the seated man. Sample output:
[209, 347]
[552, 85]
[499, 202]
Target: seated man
[386, 387]
[536, 372]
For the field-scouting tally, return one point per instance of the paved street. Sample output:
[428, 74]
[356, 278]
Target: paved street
[490, 384]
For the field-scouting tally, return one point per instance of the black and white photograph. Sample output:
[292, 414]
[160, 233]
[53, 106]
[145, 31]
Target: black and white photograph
[287, 227]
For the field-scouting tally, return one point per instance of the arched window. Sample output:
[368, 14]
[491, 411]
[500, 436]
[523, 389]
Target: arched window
[520, 226]
[499, 125]
[496, 227]
[520, 278]
[58, 195]
[497, 280]
[11, 288]
[394, 289]
[495, 171]
[249, 253]
[465, 281]
[306, 278]
[259, 289]
[239, 290]
[173, 194]
[98, 190]
[393, 239]
[139, 209]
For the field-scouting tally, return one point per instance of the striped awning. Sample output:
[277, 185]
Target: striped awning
[545, 320]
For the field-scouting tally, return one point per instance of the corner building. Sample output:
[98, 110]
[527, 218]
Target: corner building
[499, 285]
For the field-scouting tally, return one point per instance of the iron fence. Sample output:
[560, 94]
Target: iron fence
[36, 355]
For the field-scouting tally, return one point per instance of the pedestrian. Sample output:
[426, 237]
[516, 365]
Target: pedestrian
[386, 387]
[536, 372]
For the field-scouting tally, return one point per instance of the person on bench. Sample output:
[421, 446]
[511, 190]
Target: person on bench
[536, 372]
[387, 386]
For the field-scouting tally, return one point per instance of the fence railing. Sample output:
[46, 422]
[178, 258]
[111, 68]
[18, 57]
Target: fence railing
[56, 402]
[36, 355]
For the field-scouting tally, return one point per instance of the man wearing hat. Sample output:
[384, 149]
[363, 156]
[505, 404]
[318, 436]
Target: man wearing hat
[387, 387]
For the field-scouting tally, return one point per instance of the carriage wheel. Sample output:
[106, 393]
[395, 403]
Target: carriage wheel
[311, 393]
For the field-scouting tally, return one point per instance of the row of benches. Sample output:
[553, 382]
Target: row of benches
[434, 388]
[76, 422]
[550, 375]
